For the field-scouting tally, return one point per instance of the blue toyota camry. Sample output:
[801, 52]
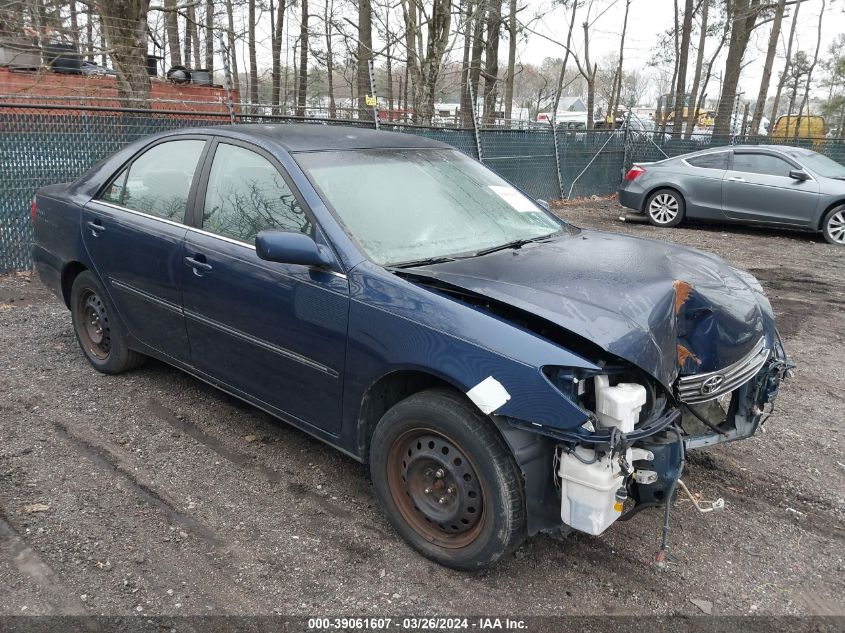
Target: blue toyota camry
[501, 371]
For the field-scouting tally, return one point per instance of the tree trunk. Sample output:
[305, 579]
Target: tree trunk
[706, 81]
[192, 38]
[662, 108]
[563, 66]
[465, 101]
[767, 68]
[617, 84]
[788, 61]
[511, 60]
[74, 24]
[209, 35]
[475, 58]
[680, 86]
[233, 56]
[253, 58]
[302, 91]
[743, 16]
[276, 53]
[491, 60]
[810, 71]
[365, 54]
[171, 20]
[125, 29]
[89, 33]
[589, 77]
[692, 113]
[328, 16]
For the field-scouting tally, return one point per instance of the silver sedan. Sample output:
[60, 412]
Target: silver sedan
[770, 185]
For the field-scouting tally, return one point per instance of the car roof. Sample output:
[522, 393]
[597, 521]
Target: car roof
[309, 137]
[788, 149]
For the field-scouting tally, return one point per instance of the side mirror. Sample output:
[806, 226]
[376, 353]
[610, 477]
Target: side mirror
[543, 203]
[798, 174]
[287, 247]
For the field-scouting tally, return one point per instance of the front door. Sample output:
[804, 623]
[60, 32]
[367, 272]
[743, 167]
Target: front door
[274, 332]
[134, 233]
[758, 188]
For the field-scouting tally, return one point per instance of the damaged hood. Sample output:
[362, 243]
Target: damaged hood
[668, 309]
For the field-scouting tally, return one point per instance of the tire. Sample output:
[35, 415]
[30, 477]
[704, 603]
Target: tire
[435, 445]
[833, 226]
[99, 332]
[665, 207]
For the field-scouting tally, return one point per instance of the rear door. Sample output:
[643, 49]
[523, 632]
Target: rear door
[134, 232]
[274, 332]
[702, 182]
[758, 188]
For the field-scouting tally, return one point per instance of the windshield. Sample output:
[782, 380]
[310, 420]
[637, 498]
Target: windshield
[405, 205]
[820, 164]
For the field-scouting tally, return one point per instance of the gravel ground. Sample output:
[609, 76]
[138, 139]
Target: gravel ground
[152, 493]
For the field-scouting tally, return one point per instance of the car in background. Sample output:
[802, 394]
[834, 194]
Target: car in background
[770, 185]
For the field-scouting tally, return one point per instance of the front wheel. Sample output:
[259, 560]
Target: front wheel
[447, 481]
[665, 207]
[101, 336]
[833, 226]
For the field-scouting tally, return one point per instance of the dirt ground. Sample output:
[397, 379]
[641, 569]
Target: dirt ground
[152, 493]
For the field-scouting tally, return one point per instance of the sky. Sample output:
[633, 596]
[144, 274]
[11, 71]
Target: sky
[648, 19]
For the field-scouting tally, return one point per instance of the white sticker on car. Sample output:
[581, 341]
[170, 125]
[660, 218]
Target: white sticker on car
[517, 200]
[489, 395]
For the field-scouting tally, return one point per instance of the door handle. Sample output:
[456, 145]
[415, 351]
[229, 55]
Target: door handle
[198, 266]
[736, 179]
[96, 227]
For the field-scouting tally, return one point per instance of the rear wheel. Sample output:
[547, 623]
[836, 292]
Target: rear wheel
[447, 481]
[665, 207]
[101, 336]
[833, 226]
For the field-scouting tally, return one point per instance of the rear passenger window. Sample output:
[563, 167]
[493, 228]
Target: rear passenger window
[762, 164]
[247, 194]
[719, 160]
[159, 180]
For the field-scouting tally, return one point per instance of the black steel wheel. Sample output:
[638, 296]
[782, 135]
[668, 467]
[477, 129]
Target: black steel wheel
[98, 330]
[447, 481]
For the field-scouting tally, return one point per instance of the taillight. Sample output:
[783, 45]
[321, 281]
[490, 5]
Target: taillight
[634, 172]
[34, 209]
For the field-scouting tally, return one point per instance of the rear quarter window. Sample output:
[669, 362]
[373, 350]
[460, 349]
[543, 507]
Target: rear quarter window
[718, 160]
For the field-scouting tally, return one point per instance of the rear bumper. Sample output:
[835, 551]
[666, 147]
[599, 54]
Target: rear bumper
[631, 199]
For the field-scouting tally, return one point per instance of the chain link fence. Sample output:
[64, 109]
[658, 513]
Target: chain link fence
[46, 144]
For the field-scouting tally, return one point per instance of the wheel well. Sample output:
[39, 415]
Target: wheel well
[658, 188]
[386, 392]
[68, 275]
[838, 203]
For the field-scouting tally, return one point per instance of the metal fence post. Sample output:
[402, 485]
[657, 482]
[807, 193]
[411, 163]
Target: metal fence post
[557, 154]
[227, 82]
[373, 91]
[475, 123]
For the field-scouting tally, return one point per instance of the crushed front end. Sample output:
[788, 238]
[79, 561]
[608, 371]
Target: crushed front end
[630, 454]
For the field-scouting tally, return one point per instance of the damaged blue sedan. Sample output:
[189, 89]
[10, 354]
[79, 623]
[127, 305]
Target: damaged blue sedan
[502, 372]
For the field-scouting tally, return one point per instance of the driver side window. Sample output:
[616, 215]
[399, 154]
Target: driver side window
[247, 194]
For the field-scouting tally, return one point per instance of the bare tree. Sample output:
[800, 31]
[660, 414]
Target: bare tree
[209, 35]
[692, 113]
[125, 27]
[743, 16]
[509, 77]
[562, 74]
[171, 20]
[787, 63]
[302, 90]
[253, 57]
[613, 106]
[424, 61]
[680, 86]
[810, 70]
[767, 67]
[365, 54]
[278, 27]
[230, 36]
[491, 59]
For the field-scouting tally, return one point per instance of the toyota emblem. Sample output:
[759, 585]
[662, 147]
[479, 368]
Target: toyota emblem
[712, 384]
